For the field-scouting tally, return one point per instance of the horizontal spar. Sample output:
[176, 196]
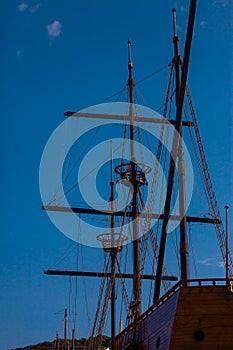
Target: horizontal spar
[125, 118]
[202, 220]
[105, 274]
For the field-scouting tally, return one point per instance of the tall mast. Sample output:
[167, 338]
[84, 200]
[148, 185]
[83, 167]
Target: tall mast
[130, 85]
[65, 328]
[113, 254]
[136, 307]
[181, 175]
[175, 148]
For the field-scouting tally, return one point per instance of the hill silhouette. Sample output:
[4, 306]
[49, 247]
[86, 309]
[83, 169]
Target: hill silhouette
[80, 344]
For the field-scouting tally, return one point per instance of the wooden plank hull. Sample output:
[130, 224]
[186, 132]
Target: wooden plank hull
[204, 319]
[196, 317]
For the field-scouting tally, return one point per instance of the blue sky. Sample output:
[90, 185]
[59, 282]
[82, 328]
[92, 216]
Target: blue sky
[67, 55]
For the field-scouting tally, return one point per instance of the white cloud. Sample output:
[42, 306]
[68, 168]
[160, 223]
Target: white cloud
[54, 29]
[211, 262]
[22, 7]
[31, 8]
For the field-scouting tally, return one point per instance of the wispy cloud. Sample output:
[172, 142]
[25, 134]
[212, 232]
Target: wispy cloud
[203, 24]
[26, 7]
[211, 262]
[22, 7]
[54, 29]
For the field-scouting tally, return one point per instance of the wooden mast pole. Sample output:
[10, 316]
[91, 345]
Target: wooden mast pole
[136, 252]
[175, 146]
[113, 255]
[181, 175]
[65, 328]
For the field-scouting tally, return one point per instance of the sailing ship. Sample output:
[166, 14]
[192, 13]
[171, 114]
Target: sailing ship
[194, 313]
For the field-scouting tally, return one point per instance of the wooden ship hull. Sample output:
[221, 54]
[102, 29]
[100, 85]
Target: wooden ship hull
[193, 315]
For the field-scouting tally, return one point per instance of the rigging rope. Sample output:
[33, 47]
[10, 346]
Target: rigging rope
[85, 294]
[206, 178]
[98, 321]
[67, 253]
[160, 151]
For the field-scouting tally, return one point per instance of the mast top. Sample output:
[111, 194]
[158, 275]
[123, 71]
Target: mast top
[130, 63]
[130, 82]
[174, 23]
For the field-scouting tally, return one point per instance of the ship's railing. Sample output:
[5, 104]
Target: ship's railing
[187, 283]
[209, 281]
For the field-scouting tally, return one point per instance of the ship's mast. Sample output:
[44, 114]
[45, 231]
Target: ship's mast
[175, 149]
[136, 306]
[65, 328]
[181, 175]
[113, 254]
